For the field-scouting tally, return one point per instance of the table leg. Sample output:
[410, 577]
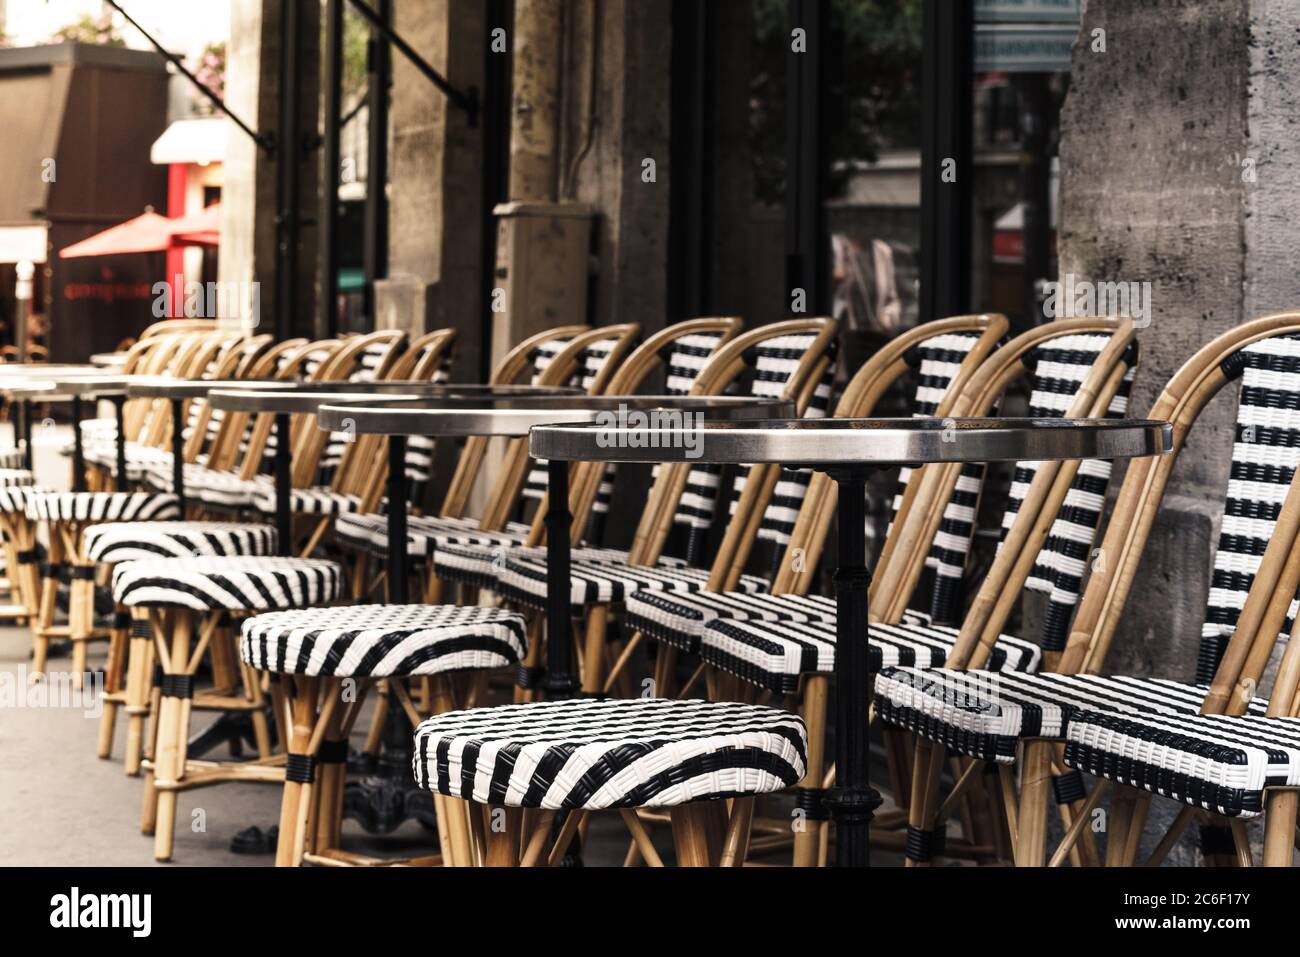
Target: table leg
[78, 451]
[561, 681]
[119, 480]
[397, 573]
[283, 480]
[23, 432]
[852, 800]
[178, 452]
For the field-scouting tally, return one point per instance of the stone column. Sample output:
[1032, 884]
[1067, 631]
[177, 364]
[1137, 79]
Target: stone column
[435, 190]
[248, 196]
[1178, 167]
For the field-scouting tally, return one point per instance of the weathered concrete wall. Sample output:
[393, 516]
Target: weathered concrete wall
[435, 200]
[633, 98]
[1178, 167]
[248, 197]
[1150, 191]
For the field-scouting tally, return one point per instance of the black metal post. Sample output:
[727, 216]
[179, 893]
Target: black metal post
[287, 157]
[328, 237]
[380, 68]
[283, 481]
[852, 800]
[23, 431]
[178, 452]
[947, 158]
[78, 451]
[805, 219]
[119, 478]
[397, 590]
[561, 680]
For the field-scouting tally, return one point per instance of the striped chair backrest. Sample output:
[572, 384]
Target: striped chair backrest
[586, 376]
[1265, 453]
[775, 362]
[1060, 368]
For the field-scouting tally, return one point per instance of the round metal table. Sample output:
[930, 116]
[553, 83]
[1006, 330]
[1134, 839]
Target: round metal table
[289, 398]
[516, 418]
[74, 386]
[848, 450]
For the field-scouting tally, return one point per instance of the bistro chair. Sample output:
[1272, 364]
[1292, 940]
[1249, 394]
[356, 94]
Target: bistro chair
[992, 720]
[783, 640]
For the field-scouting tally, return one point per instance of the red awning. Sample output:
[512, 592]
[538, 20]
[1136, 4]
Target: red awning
[151, 233]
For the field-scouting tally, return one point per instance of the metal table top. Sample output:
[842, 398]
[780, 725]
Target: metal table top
[108, 360]
[831, 442]
[42, 370]
[165, 387]
[310, 397]
[61, 388]
[515, 417]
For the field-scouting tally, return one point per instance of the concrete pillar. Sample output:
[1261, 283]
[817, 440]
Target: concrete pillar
[435, 172]
[535, 100]
[633, 109]
[248, 208]
[1178, 164]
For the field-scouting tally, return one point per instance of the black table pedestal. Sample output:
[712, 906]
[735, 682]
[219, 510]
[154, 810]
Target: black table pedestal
[852, 801]
[78, 449]
[119, 477]
[283, 483]
[178, 453]
[561, 680]
[381, 801]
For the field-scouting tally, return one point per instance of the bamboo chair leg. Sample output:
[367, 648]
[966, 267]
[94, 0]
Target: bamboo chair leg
[376, 733]
[1171, 837]
[1279, 827]
[502, 832]
[927, 767]
[1035, 791]
[735, 847]
[1121, 814]
[1080, 823]
[173, 731]
[532, 657]
[139, 670]
[45, 611]
[565, 837]
[296, 793]
[1007, 785]
[807, 836]
[538, 839]
[114, 686]
[694, 834]
[642, 845]
[1136, 825]
[1241, 841]
[593, 676]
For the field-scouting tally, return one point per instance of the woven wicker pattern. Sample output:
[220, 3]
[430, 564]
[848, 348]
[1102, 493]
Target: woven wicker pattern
[609, 754]
[235, 584]
[601, 576]
[774, 654]
[102, 506]
[1218, 763]
[985, 715]
[140, 541]
[383, 640]
[680, 619]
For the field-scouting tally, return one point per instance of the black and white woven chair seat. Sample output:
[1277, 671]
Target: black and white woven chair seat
[116, 542]
[141, 459]
[220, 489]
[680, 619]
[383, 640]
[773, 654]
[316, 500]
[234, 584]
[596, 755]
[12, 459]
[102, 506]
[985, 715]
[11, 478]
[1221, 764]
[14, 498]
[424, 533]
[602, 576]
